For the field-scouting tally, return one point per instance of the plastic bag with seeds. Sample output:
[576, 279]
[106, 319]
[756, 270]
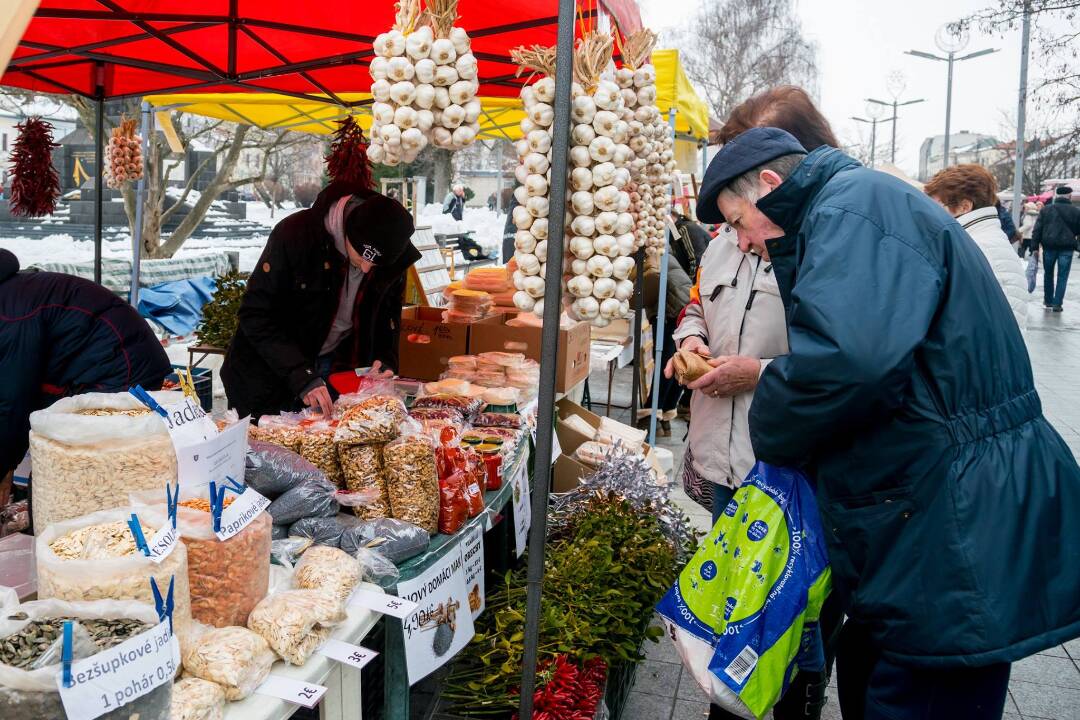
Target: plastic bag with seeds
[234, 657]
[28, 693]
[328, 569]
[197, 699]
[227, 577]
[374, 419]
[318, 448]
[397, 540]
[412, 481]
[295, 622]
[311, 498]
[272, 470]
[90, 450]
[94, 557]
[363, 468]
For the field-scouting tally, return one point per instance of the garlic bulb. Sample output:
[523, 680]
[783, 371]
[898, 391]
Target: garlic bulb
[536, 163]
[582, 203]
[395, 43]
[380, 90]
[579, 267]
[521, 194]
[582, 134]
[453, 117]
[442, 98]
[607, 198]
[541, 252]
[524, 301]
[582, 247]
[600, 266]
[378, 68]
[424, 71]
[536, 185]
[445, 76]
[604, 123]
[583, 225]
[399, 69]
[403, 93]
[522, 218]
[534, 285]
[461, 92]
[524, 241]
[529, 263]
[383, 113]
[539, 141]
[624, 290]
[539, 228]
[624, 223]
[542, 114]
[606, 245]
[581, 158]
[405, 117]
[603, 174]
[610, 308]
[425, 97]
[460, 40]
[443, 52]
[463, 136]
[520, 172]
[626, 243]
[537, 206]
[607, 95]
[603, 288]
[605, 223]
[585, 308]
[624, 77]
[580, 286]
[581, 179]
[466, 66]
[412, 138]
[583, 109]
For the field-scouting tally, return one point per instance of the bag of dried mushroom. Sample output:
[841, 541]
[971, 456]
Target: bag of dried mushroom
[412, 481]
[282, 430]
[94, 557]
[318, 448]
[373, 415]
[90, 450]
[227, 577]
[363, 468]
[295, 622]
[29, 631]
[234, 657]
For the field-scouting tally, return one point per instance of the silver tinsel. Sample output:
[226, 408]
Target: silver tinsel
[627, 477]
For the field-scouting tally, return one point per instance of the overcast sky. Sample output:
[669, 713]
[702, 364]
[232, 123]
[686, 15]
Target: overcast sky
[859, 43]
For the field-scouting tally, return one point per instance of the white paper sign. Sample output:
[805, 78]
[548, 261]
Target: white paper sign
[188, 423]
[217, 458]
[163, 542]
[245, 508]
[297, 692]
[472, 549]
[115, 677]
[556, 448]
[442, 625]
[353, 655]
[382, 603]
[522, 510]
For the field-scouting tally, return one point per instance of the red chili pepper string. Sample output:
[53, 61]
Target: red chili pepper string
[348, 155]
[570, 692]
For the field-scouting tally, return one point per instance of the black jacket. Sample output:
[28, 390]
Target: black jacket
[690, 244]
[1057, 226]
[61, 335]
[289, 305]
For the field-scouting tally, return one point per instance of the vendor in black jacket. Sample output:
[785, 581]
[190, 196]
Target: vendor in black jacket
[61, 335]
[1055, 234]
[325, 296]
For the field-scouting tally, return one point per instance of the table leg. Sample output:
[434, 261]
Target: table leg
[610, 380]
[396, 678]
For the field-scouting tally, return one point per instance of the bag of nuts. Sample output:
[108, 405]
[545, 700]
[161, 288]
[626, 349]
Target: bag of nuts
[412, 482]
[295, 622]
[227, 577]
[94, 557]
[283, 430]
[373, 415]
[318, 448]
[363, 469]
[90, 450]
[32, 693]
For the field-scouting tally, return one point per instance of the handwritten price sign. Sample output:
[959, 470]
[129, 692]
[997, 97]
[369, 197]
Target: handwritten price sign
[294, 691]
[383, 603]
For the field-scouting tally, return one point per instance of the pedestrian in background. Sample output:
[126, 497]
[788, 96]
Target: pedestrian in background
[454, 203]
[1005, 220]
[908, 396]
[969, 192]
[1027, 225]
[1055, 233]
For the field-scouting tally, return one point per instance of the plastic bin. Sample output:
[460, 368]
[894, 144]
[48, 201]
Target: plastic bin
[204, 384]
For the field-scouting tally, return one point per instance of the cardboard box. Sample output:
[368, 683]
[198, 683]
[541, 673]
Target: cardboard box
[493, 335]
[568, 471]
[426, 343]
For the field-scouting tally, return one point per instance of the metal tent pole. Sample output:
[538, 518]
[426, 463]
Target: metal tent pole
[1021, 119]
[639, 310]
[99, 147]
[661, 307]
[545, 427]
[140, 197]
[948, 112]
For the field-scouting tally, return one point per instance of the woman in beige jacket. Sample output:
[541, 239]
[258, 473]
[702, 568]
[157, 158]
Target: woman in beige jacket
[736, 319]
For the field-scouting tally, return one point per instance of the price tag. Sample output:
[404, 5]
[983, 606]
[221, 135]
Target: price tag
[522, 511]
[163, 543]
[472, 553]
[214, 459]
[115, 677]
[383, 603]
[245, 508]
[347, 653]
[297, 692]
[188, 423]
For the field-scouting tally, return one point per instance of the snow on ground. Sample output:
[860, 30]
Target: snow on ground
[486, 226]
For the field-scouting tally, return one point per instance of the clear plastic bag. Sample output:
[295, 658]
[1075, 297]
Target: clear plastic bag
[453, 502]
[322, 530]
[397, 540]
[295, 622]
[494, 419]
[412, 482]
[283, 430]
[467, 406]
[33, 693]
[285, 552]
[197, 699]
[272, 470]
[374, 417]
[312, 498]
[328, 569]
[90, 450]
[234, 657]
[99, 574]
[375, 568]
[317, 447]
[279, 532]
[363, 469]
[227, 577]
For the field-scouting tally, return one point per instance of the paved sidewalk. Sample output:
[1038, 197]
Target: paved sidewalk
[1045, 686]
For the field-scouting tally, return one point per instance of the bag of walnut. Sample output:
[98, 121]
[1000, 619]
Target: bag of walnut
[89, 451]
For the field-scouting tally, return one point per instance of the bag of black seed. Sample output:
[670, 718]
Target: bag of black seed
[28, 637]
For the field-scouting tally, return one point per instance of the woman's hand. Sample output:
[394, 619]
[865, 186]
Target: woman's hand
[319, 399]
[731, 375]
[691, 344]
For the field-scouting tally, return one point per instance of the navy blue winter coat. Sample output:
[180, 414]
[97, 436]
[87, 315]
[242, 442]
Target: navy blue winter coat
[951, 506]
[61, 335]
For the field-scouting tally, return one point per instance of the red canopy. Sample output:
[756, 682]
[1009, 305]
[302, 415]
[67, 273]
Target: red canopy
[122, 48]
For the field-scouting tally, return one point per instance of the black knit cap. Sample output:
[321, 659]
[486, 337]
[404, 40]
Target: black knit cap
[380, 229]
[1064, 190]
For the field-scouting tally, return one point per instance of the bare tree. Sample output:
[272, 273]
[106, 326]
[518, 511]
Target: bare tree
[733, 49]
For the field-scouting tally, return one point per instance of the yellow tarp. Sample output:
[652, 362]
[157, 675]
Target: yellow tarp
[499, 120]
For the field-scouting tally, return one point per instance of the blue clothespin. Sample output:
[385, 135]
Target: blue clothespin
[137, 533]
[144, 397]
[65, 655]
[217, 504]
[234, 485]
[172, 501]
[164, 605]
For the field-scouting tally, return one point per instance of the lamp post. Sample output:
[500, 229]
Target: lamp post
[874, 111]
[896, 85]
[951, 42]
[1021, 116]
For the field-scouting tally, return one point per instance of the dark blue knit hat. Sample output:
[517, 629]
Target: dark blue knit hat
[743, 153]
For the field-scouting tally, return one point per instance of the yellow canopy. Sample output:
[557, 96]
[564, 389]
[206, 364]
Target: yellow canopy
[500, 118]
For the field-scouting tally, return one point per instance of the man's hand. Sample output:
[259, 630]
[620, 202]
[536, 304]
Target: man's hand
[731, 375]
[319, 399]
[377, 373]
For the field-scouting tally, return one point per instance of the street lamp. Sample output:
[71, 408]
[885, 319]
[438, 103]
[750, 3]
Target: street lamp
[874, 111]
[894, 104]
[950, 41]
